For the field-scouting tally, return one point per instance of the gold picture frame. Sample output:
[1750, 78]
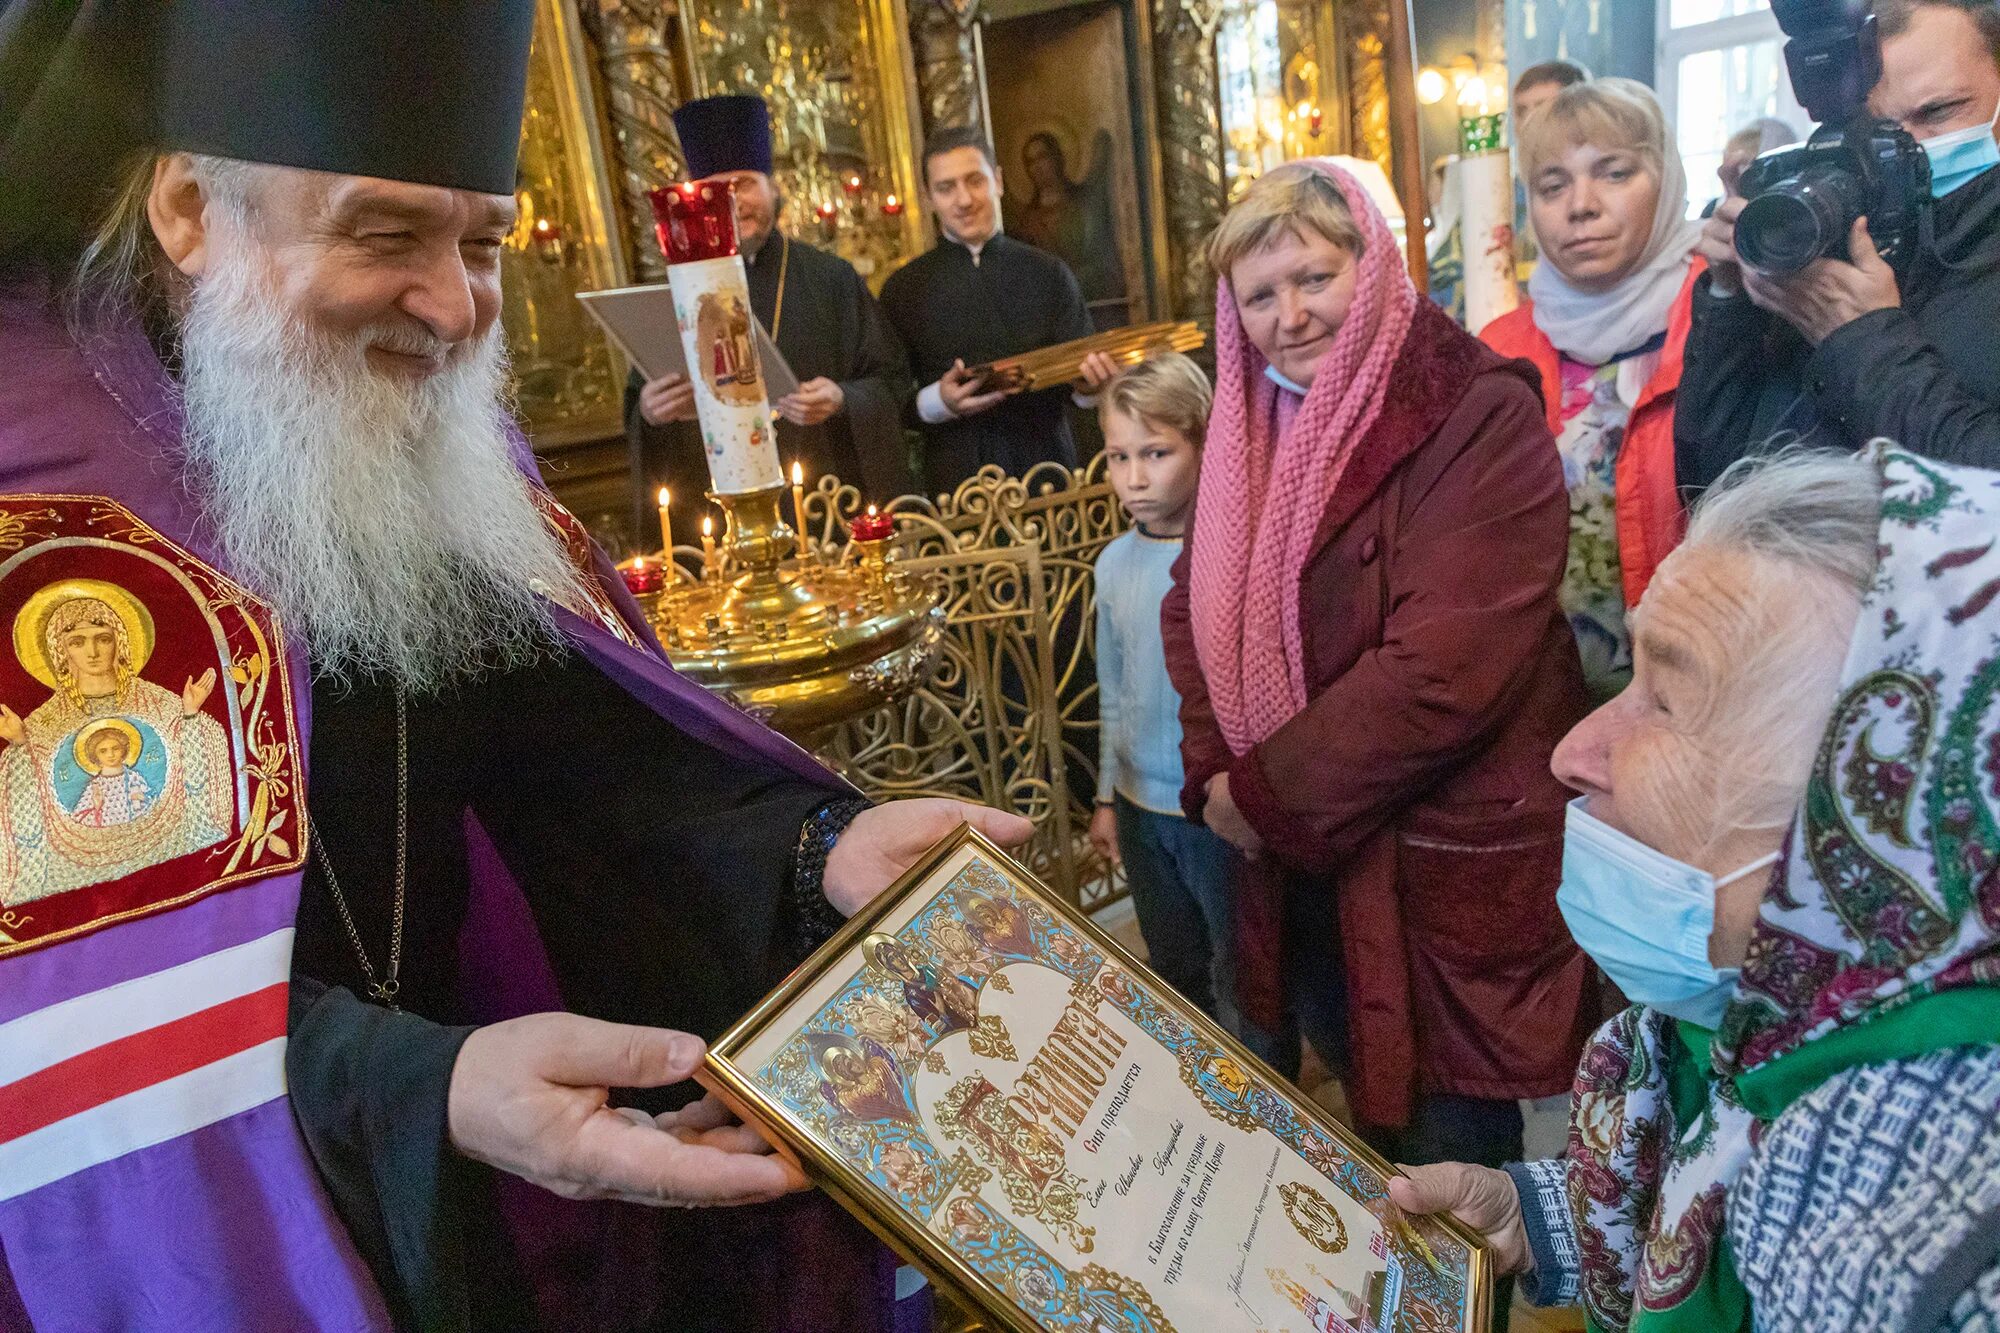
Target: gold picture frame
[877, 1066]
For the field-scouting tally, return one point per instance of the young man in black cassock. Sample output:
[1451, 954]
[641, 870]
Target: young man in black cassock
[845, 418]
[977, 296]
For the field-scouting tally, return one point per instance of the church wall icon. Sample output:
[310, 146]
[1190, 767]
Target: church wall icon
[147, 743]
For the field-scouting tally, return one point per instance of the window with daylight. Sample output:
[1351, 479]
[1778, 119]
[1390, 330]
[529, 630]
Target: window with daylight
[1721, 66]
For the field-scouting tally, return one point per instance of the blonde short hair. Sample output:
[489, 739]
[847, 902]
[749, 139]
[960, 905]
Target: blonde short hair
[1166, 390]
[1292, 199]
[1611, 114]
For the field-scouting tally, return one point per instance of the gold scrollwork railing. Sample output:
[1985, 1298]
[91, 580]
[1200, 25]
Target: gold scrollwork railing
[1010, 717]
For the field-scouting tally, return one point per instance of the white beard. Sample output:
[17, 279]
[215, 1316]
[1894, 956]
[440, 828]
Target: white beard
[383, 518]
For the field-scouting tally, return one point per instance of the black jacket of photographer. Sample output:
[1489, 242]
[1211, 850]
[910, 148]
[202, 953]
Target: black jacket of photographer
[1926, 375]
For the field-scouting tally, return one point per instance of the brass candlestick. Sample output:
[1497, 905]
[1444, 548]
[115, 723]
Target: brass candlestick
[789, 637]
[795, 639]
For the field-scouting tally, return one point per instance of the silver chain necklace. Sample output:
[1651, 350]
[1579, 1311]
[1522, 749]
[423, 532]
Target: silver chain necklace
[383, 990]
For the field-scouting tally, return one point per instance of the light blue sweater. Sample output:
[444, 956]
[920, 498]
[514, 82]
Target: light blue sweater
[1139, 751]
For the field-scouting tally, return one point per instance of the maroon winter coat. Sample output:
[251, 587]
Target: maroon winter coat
[1415, 783]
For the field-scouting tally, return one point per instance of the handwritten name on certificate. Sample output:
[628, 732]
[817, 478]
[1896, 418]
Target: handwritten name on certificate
[1062, 1128]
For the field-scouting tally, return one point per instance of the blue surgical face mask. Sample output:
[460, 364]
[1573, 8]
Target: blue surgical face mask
[1277, 377]
[1645, 918]
[1962, 156]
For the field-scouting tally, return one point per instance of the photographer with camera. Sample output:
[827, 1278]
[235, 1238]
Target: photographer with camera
[1852, 294]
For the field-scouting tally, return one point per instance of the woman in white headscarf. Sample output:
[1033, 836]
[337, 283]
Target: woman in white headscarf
[1605, 325]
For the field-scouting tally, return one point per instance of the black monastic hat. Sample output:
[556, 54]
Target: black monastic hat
[727, 133]
[428, 92]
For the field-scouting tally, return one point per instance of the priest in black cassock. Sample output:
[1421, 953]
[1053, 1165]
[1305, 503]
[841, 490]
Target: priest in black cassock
[845, 418]
[470, 855]
[976, 296]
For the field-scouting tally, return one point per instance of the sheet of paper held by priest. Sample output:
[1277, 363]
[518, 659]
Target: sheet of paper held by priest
[1048, 1116]
[640, 321]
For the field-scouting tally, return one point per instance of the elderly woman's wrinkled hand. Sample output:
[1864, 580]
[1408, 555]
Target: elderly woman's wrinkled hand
[1480, 1197]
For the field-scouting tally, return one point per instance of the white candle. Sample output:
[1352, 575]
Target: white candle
[719, 338]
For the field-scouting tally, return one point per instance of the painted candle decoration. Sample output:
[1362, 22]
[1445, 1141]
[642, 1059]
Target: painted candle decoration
[696, 222]
[1487, 226]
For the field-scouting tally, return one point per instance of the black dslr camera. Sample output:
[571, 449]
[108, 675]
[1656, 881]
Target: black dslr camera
[1804, 199]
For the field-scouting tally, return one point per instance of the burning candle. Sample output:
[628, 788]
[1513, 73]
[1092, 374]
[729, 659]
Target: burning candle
[707, 544]
[853, 183]
[892, 205]
[799, 502]
[873, 526]
[666, 522]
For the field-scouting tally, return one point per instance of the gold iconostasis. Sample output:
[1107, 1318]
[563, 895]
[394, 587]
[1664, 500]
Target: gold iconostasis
[1123, 129]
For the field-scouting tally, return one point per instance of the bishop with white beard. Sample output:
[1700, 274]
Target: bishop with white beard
[494, 853]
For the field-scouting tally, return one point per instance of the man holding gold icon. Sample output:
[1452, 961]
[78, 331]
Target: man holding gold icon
[338, 1053]
[978, 296]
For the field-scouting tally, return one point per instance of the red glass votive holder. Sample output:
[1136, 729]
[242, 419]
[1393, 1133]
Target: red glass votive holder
[872, 526]
[695, 220]
[642, 578]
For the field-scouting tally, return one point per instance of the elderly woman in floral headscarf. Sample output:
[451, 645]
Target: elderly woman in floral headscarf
[1797, 1124]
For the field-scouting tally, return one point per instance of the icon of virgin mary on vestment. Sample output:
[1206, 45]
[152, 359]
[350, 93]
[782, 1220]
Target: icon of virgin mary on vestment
[111, 773]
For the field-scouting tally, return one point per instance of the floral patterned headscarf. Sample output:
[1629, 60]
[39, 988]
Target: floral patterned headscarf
[1873, 940]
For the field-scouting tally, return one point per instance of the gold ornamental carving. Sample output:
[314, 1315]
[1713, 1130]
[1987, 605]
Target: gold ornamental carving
[568, 381]
[836, 76]
[642, 87]
[1190, 147]
[950, 72]
[1008, 715]
[1365, 51]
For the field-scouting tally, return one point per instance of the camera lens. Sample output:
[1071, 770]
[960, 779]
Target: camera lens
[1798, 220]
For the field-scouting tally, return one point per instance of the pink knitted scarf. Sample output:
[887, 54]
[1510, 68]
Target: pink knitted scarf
[1266, 481]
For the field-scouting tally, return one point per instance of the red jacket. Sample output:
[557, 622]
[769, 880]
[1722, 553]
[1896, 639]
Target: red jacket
[1651, 518]
[1415, 785]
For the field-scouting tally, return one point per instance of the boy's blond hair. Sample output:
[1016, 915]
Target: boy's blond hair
[1166, 390]
[1610, 114]
[1293, 199]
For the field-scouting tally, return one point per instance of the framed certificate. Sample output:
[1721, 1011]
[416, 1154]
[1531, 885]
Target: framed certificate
[1058, 1140]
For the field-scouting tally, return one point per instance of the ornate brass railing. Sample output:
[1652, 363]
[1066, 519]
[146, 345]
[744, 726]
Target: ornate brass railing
[1010, 718]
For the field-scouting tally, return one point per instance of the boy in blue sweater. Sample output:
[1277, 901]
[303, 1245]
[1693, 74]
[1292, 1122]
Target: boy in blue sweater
[1154, 416]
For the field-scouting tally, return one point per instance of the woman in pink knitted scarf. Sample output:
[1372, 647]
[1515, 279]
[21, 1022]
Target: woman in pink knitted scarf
[1374, 671]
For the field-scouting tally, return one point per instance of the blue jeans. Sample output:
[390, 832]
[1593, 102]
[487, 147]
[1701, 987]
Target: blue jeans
[1179, 873]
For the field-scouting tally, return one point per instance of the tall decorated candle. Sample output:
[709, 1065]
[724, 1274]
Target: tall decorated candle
[697, 229]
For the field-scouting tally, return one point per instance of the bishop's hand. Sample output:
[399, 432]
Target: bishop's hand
[885, 840]
[531, 1097]
[12, 729]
